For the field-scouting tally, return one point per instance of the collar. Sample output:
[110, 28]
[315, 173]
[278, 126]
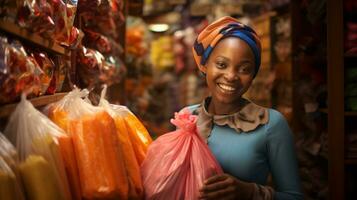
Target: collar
[245, 120]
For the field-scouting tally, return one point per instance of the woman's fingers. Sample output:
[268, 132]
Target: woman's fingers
[216, 178]
[215, 186]
[225, 193]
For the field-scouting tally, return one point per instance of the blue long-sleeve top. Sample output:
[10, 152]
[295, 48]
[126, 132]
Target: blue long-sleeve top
[252, 156]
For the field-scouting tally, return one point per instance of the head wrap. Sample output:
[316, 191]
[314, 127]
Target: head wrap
[223, 28]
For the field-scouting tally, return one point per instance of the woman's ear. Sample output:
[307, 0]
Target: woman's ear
[203, 69]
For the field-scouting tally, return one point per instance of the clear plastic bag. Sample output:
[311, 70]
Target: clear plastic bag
[98, 157]
[183, 159]
[40, 162]
[131, 164]
[8, 184]
[139, 136]
[10, 180]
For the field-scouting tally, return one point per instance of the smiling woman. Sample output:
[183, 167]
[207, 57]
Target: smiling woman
[249, 141]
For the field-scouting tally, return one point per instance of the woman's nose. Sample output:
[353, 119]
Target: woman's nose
[231, 75]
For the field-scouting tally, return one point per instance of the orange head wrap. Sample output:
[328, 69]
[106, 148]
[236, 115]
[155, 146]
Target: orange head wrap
[222, 28]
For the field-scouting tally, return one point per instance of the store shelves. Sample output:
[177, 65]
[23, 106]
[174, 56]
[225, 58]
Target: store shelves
[350, 55]
[22, 33]
[351, 161]
[347, 113]
[351, 113]
[7, 109]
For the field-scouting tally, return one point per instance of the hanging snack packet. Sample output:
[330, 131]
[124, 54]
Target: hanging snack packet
[184, 161]
[40, 162]
[139, 136]
[56, 112]
[131, 164]
[99, 158]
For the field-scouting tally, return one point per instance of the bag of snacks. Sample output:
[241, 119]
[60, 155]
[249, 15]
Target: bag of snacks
[97, 154]
[40, 162]
[131, 164]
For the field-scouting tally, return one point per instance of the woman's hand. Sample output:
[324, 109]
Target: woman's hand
[225, 186]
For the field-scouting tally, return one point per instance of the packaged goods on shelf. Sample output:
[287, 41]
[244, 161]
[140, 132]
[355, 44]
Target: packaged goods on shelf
[51, 19]
[94, 68]
[40, 162]
[18, 72]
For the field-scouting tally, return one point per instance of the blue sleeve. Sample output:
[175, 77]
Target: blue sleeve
[282, 158]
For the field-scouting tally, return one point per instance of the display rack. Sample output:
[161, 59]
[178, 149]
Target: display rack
[12, 29]
[7, 109]
[339, 187]
[34, 38]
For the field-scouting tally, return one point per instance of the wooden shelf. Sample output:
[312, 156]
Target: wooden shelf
[347, 113]
[350, 55]
[323, 110]
[351, 113]
[24, 34]
[351, 161]
[7, 109]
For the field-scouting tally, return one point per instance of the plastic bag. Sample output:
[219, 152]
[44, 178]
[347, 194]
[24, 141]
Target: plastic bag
[139, 136]
[10, 180]
[131, 164]
[8, 184]
[184, 161]
[98, 156]
[36, 140]
[56, 112]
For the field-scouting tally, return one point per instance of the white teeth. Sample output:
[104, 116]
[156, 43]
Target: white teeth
[226, 87]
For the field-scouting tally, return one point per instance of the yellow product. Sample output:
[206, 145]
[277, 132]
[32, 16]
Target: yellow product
[7, 186]
[39, 179]
[48, 147]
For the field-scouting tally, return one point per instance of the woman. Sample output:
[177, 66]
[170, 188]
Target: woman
[248, 141]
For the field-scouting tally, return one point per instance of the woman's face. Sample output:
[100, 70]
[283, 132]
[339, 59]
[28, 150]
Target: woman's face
[229, 71]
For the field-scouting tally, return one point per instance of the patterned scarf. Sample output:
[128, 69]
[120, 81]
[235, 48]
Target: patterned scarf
[223, 28]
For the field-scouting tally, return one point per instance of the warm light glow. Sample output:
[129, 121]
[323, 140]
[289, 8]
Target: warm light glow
[158, 27]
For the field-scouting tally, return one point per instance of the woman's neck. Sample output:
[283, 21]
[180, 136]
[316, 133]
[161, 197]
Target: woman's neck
[217, 108]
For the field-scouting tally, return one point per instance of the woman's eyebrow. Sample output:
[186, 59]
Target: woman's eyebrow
[244, 61]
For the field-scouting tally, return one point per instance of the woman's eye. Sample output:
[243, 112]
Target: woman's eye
[245, 69]
[221, 65]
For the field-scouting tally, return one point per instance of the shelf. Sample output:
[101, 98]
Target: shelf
[347, 113]
[351, 113]
[323, 110]
[350, 55]
[7, 109]
[351, 161]
[24, 34]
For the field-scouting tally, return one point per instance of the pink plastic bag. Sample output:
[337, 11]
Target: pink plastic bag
[178, 163]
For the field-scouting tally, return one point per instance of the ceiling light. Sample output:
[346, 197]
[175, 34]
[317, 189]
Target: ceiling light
[158, 27]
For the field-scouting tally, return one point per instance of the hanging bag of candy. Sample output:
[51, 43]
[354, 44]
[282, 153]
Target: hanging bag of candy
[99, 158]
[40, 162]
[118, 112]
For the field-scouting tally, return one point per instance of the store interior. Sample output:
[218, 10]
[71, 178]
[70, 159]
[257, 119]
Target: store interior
[141, 52]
